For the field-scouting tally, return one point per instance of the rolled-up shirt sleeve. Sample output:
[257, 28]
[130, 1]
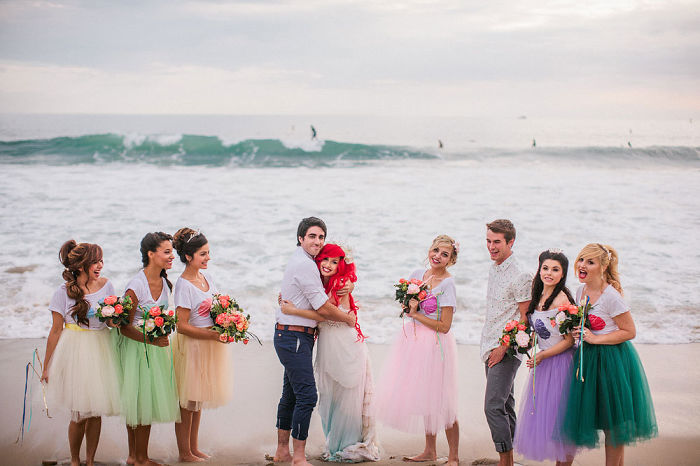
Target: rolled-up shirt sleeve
[309, 283]
[522, 287]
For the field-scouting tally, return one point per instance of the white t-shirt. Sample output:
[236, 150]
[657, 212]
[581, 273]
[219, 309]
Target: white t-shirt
[61, 303]
[546, 327]
[609, 305]
[197, 301]
[139, 285]
[445, 292]
[302, 286]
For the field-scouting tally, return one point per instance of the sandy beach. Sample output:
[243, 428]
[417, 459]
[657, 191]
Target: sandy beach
[243, 432]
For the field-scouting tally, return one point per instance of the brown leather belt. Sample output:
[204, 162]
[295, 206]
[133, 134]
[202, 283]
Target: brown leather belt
[297, 328]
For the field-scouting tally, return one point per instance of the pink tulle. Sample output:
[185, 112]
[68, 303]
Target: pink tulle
[418, 389]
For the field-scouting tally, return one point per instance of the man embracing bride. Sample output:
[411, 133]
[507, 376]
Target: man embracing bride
[316, 298]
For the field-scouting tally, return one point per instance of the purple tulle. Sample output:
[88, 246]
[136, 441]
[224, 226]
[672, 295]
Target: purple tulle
[537, 431]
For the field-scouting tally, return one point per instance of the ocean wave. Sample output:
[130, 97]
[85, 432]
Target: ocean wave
[191, 149]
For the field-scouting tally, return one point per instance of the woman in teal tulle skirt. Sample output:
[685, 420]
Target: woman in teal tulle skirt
[148, 389]
[609, 390]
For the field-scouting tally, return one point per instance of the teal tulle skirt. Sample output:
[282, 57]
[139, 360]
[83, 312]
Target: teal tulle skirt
[148, 389]
[614, 398]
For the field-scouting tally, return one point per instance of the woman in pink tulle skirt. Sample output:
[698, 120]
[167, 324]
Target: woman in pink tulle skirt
[418, 390]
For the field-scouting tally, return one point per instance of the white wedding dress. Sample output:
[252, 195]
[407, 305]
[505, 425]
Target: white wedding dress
[344, 380]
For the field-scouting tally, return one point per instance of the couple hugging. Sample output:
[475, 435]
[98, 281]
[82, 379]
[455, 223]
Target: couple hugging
[316, 300]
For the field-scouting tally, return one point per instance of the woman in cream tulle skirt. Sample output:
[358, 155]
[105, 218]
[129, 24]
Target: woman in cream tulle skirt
[80, 369]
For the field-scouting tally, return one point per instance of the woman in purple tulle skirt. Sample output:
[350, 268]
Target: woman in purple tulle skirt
[537, 432]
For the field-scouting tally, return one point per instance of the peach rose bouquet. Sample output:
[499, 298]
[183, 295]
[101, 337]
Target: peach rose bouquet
[570, 315]
[516, 337]
[230, 320]
[409, 289]
[115, 310]
[156, 322]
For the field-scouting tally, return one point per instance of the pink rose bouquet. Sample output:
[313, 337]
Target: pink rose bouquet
[115, 310]
[156, 322]
[409, 289]
[516, 337]
[230, 320]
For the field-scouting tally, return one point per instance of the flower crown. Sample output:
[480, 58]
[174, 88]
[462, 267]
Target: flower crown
[455, 245]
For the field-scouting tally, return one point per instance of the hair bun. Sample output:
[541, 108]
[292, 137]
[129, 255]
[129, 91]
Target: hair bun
[181, 236]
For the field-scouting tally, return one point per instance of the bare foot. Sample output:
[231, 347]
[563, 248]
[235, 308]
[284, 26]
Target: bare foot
[452, 462]
[301, 462]
[190, 458]
[130, 460]
[281, 456]
[74, 462]
[148, 462]
[200, 454]
[425, 456]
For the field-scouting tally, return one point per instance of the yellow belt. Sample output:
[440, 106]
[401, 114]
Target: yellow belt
[76, 327]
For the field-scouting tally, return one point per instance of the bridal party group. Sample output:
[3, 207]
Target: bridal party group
[585, 384]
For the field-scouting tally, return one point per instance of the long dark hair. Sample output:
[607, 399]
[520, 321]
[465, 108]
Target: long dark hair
[538, 286]
[76, 258]
[150, 242]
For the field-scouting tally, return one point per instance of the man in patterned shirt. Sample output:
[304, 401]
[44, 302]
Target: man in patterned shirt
[507, 297]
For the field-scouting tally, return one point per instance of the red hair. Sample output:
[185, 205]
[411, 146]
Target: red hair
[344, 273]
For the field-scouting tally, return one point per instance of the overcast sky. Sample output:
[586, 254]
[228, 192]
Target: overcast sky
[594, 58]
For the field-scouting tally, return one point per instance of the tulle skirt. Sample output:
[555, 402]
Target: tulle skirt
[418, 391]
[83, 374]
[614, 397]
[149, 394]
[203, 372]
[537, 433]
[344, 380]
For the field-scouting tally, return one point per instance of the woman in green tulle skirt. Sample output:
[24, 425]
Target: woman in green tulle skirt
[148, 389]
[609, 390]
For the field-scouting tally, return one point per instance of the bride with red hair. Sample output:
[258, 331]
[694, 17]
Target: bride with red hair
[342, 367]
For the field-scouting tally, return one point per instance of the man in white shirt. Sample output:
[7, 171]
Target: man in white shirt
[294, 340]
[507, 298]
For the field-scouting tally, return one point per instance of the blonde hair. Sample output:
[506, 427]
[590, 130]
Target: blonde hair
[447, 240]
[608, 258]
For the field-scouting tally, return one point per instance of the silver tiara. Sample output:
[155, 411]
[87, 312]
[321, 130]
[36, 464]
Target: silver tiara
[554, 251]
[196, 233]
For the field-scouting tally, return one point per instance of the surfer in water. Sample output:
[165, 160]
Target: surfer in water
[313, 132]
[440, 145]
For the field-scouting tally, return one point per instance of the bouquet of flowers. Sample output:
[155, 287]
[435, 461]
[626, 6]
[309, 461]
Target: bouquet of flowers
[516, 337]
[230, 321]
[156, 322]
[409, 289]
[114, 309]
[570, 315]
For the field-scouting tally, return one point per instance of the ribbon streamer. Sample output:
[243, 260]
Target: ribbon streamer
[580, 340]
[534, 370]
[32, 364]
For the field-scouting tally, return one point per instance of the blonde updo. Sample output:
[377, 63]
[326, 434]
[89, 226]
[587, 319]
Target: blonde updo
[608, 259]
[444, 240]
